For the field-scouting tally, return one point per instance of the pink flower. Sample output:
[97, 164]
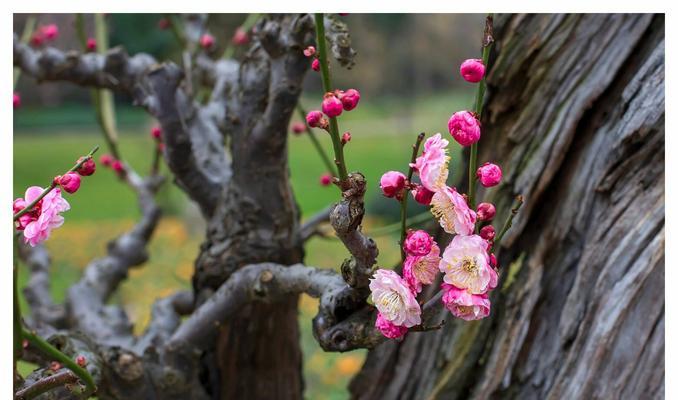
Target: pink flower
[466, 265]
[346, 137]
[418, 243]
[394, 300]
[315, 65]
[422, 195]
[106, 160]
[486, 211]
[50, 32]
[309, 51]
[313, 118]
[465, 305]
[392, 183]
[117, 166]
[206, 41]
[421, 270]
[240, 37]
[16, 100]
[453, 212]
[325, 179]
[298, 127]
[493, 261]
[464, 128]
[156, 132]
[37, 39]
[489, 174]
[70, 182]
[91, 44]
[349, 99]
[332, 106]
[432, 164]
[473, 70]
[487, 232]
[44, 217]
[387, 328]
[87, 168]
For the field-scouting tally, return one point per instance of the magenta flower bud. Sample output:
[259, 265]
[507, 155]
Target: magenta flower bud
[392, 183]
[91, 44]
[106, 160]
[156, 132]
[314, 118]
[464, 128]
[18, 205]
[485, 211]
[472, 70]
[299, 127]
[418, 243]
[489, 174]
[37, 39]
[117, 166]
[50, 32]
[16, 100]
[240, 37]
[422, 195]
[388, 329]
[87, 168]
[206, 41]
[81, 361]
[309, 51]
[332, 106]
[346, 137]
[315, 65]
[70, 182]
[493, 261]
[325, 179]
[487, 232]
[349, 99]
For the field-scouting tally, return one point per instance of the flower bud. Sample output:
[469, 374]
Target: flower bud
[16, 100]
[240, 37]
[493, 261]
[91, 44]
[106, 160]
[349, 99]
[18, 205]
[392, 183]
[206, 41]
[309, 51]
[418, 243]
[464, 128]
[37, 39]
[313, 118]
[50, 32]
[156, 132]
[81, 361]
[315, 65]
[117, 166]
[489, 174]
[485, 211]
[164, 23]
[422, 195]
[346, 137]
[332, 106]
[87, 168]
[487, 232]
[472, 70]
[298, 127]
[325, 179]
[70, 182]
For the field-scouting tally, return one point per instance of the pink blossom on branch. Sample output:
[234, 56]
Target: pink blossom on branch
[332, 106]
[452, 211]
[392, 183]
[91, 44]
[472, 70]
[16, 100]
[69, 182]
[421, 270]
[465, 305]
[464, 128]
[489, 174]
[315, 65]
[156, 132]
[38, 223]
[349, 99]
[422, 195]
[487, 232]
[325, 179]
[298, 127]
[50, 32]
[309, 51]
[206, 41]
[466, 265]
[87, 167]
[432, 165]
[388, 329]
[240, 37]
[394, 300]
[486, 211]
[418, 243]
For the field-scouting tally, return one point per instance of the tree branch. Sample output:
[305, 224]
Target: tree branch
[310, 227]
[37, 291]
[42, 385]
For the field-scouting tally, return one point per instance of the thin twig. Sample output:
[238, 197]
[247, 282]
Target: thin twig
[403, 201]
[509, 220]
[60, 378]
[316, 143]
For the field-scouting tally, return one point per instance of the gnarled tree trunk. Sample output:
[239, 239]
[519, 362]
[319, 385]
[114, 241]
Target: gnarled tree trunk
[575, 115]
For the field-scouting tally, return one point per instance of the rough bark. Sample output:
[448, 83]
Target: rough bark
[575, 115]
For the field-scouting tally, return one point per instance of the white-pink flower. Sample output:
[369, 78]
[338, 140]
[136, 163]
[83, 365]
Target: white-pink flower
[394, 300]
[453, 212]
[432, 164]
[45, 216]
[466, 265]
[465, 305]
[421, 270]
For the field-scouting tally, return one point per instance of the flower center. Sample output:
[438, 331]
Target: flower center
[465, 310]
[391, 301]
[469, 265]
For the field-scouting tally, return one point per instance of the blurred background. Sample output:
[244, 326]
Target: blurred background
[407, 72]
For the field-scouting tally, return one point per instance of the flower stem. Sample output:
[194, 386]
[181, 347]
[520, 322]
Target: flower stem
[44, 193]
[54, 354]
[18, 348]
[509, 220]
[327, 87]
[488, 39]
[316, 143]
[403, 202]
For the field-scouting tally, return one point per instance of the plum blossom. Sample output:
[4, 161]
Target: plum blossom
[418, 243]
[487, 232]
[240, 37]
[69, 182]
[472, 70]
[466, 265]
[465, 305]
[315, 65]
[332, 106]
[392, 183]
[422, 195]
[394, 300]
[489, 174]
[453, 212]
[486, 211]
[388, 329]
[38, 223]
[421, 270]
[325, 179]
[432, 164]
[464, 128]
[349, 99]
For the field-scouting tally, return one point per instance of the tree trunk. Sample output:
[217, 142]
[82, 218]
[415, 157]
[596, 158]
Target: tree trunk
[575, 116]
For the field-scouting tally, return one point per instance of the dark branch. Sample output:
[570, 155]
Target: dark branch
[42, 385]
[310, 227]
[165, 318]
[37, 291]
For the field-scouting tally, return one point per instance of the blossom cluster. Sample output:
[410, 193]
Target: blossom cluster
[468, 267]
